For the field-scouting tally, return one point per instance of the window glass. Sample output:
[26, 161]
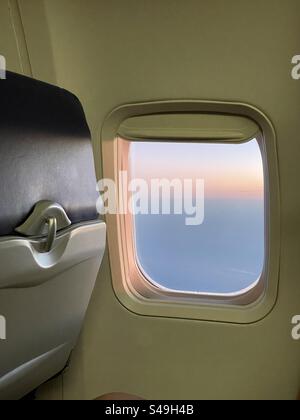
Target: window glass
[222, 250]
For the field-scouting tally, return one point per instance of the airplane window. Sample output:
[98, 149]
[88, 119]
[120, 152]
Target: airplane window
[199, 215]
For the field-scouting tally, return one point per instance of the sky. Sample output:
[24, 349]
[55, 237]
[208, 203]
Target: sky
[229, 170]
[225, 254]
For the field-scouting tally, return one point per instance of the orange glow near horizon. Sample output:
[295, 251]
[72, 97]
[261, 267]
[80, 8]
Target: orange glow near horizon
[230, 171]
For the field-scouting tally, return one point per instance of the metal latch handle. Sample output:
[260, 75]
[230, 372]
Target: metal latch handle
[46, 220]
[52, 232]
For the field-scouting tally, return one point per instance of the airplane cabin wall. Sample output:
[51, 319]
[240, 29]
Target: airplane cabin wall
[111, 53]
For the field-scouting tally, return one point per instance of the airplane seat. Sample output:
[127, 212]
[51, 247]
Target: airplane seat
[51, 239]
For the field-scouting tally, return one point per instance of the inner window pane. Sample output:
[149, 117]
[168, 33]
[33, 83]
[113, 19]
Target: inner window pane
[225, 254]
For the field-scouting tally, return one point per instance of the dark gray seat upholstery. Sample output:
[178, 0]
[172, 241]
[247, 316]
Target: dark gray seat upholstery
[45, 152]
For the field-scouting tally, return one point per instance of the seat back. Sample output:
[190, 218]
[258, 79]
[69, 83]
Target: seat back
[51, 240]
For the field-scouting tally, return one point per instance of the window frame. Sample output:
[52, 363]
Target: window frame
[131, 286]
[243, 296]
